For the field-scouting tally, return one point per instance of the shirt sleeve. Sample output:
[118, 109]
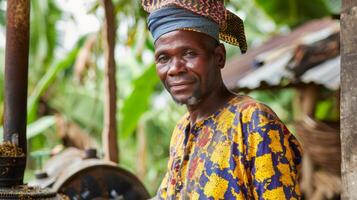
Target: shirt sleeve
[273, 155]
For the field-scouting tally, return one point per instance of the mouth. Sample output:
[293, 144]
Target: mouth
[174, 87]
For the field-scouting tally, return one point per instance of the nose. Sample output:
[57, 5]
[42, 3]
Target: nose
[177, 66]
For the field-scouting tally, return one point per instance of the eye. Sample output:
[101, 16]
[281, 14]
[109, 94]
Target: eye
[189, 53]
[162, 59]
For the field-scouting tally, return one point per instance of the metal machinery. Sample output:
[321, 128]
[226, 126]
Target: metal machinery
[13, 148]
[81, 175]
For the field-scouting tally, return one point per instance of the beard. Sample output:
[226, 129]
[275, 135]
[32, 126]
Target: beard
[194, 99]
[190, 101]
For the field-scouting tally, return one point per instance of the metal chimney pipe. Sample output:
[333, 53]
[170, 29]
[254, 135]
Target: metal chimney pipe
[16, 72]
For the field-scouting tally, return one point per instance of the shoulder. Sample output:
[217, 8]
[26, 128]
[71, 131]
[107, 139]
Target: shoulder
[251, 115]
[249, 108]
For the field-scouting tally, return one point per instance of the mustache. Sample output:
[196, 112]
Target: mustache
[177, 80]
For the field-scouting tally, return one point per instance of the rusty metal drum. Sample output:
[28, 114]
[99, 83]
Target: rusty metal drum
[82, 177]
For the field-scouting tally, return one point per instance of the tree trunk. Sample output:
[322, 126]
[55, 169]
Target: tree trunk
[142, 149]
[110, 145]
[349, 98]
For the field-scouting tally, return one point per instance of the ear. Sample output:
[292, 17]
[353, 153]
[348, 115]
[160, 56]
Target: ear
[220, 55]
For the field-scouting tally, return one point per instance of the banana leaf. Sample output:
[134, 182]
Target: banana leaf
[138, 101]
[294, 12]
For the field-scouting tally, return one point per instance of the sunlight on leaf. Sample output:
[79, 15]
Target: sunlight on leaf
[39, 126]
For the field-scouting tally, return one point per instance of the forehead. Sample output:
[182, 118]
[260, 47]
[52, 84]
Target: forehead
[182, 38]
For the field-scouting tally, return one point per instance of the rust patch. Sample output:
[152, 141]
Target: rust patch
[18, 13]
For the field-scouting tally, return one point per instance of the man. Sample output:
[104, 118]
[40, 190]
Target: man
[227, 146]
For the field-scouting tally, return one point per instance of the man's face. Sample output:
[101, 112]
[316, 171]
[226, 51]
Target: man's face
[188, 64]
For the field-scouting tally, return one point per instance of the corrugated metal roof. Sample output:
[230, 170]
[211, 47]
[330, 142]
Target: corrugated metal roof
[271, 74]
[276, 74]
[267, 65]
[326, 74]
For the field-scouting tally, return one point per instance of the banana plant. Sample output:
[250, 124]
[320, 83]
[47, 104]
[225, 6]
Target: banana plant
[295, 12]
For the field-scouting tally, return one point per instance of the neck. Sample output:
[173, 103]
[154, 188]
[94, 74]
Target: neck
[209, 104]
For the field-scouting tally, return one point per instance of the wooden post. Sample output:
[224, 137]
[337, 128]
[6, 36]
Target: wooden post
[110, 142]
[142, 150]
[349, 98]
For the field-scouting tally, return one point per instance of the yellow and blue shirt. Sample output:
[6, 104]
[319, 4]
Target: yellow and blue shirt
[243, 151]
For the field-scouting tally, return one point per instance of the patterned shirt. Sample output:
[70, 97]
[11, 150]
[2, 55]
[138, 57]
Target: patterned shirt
[242, 151]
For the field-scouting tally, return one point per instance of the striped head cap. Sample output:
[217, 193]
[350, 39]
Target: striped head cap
[231, 27]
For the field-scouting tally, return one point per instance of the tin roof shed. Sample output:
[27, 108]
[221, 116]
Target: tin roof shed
[309, 54]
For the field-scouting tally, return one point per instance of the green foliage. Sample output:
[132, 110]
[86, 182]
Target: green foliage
[137, 103]
[2, 13]
[79, 104]
[324, 110]
[294, 12]
[43, 37]
[48, 79]
[327, 106]
[36, 128]
[334, 5]
[40, 126]
[2, 17]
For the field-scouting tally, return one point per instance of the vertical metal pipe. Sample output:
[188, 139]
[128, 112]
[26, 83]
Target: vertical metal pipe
[16, 71]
